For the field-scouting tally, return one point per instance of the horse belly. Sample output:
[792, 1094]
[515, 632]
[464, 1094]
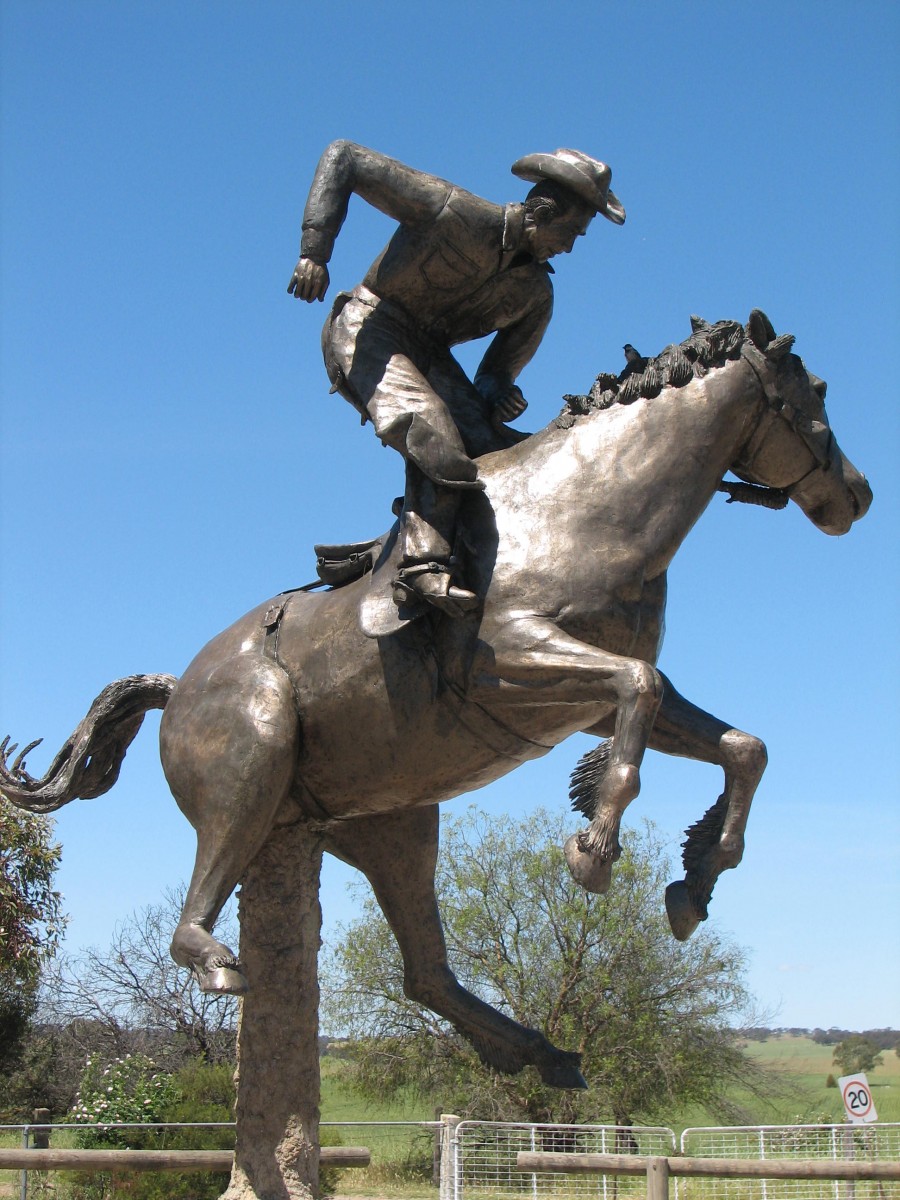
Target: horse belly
[378, 730]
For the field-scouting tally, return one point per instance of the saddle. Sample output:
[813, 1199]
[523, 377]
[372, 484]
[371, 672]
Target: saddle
[343, 563]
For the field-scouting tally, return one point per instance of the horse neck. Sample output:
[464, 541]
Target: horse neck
[656, 463]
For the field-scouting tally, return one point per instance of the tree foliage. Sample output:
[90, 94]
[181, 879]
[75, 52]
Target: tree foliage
[857, 1053]
[30, 919]
[132, 998]
[603, 975]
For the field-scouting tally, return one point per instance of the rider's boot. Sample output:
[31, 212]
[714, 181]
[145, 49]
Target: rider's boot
[427, 531]
[431, 582]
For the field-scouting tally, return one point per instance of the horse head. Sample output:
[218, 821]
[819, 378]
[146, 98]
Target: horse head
[792, 447]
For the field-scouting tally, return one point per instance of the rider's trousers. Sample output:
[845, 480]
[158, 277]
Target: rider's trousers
[420, 402]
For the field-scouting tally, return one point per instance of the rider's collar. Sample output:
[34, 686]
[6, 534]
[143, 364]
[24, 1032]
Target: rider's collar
[513, 224]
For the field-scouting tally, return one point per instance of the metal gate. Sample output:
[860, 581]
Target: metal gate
[880, 1142]
[483, 1160]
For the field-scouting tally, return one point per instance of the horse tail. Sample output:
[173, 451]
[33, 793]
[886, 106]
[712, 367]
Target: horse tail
[89, 763]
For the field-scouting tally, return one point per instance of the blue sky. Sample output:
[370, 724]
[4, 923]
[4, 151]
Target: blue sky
[171, 453]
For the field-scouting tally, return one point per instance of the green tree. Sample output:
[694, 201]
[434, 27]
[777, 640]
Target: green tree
[30, 920]
[603, 975]
[857, 1053]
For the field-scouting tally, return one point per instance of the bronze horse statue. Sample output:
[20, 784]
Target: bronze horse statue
[332, 709]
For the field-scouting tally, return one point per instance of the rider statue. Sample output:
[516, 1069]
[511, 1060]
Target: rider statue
[458, 268]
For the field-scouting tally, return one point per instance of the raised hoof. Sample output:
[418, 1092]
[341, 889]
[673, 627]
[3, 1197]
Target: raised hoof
[223, 981]
[592, 873]
[683, 917]
[564, 1071]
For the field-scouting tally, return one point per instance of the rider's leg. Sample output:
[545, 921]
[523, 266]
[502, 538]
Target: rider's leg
[381, 367]
[413, 419]
[427, 527]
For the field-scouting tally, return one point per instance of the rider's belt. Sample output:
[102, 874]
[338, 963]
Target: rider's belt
[398, 316]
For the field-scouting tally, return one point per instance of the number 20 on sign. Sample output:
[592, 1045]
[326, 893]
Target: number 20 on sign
[857, 1098]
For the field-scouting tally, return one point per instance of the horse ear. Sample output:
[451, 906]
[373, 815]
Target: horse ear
[698, 325]
[760, 329]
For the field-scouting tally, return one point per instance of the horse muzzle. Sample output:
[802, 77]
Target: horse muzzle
[834, 499]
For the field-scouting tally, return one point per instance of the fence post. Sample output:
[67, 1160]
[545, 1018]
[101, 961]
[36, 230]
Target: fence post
[23, 1175]
[41, 1137]
[449, 1184]
[36, 1139]
[436, 1152]
[658, 1179]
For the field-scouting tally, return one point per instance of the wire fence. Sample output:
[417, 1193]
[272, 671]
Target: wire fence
[476, 1160]
[404, 1154]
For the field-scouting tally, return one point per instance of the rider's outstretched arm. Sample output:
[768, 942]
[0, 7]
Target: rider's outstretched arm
[409, 196]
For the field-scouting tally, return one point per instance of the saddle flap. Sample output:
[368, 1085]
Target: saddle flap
[379, 616]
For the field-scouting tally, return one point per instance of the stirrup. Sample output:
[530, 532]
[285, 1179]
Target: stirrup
[408, 589]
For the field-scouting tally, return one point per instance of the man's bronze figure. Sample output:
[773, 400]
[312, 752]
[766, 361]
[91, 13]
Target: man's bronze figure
[458, 268]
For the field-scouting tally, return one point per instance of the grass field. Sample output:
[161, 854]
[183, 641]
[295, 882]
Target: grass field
[803, 1066]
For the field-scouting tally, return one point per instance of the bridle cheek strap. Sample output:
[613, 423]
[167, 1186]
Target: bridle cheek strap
[777, 408]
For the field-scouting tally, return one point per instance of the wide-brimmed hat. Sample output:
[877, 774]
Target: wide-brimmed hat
[587, 177]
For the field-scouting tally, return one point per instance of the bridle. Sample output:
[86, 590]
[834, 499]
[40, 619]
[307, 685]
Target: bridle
[816, 436]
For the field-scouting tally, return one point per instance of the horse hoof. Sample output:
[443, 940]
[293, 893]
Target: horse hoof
[592, 873]
[563, 1072]
[683, 918]
[223, 981]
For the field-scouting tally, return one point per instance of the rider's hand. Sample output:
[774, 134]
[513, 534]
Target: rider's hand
[510, 404]
[506, 400]
[309, 281]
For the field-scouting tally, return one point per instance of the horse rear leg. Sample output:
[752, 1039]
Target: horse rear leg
[397, 852]
[229, 741]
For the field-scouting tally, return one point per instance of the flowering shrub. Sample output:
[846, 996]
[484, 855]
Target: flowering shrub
[129, 1089]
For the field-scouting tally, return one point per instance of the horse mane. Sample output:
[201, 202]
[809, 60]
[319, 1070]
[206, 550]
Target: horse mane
[710, 345]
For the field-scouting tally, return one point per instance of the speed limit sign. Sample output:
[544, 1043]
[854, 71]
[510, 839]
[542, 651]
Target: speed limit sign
[857, 1099]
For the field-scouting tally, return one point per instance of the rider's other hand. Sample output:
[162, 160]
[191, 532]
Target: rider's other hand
[510, 404]
[309, 281]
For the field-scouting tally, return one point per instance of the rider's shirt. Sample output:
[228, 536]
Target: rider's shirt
[454, 265]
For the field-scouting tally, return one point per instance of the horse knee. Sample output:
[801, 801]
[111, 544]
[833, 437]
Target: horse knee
[746, 754]
[645, 683]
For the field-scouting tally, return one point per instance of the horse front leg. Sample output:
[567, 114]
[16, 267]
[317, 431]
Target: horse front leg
[715, 843]
[397, 852]
[556, 668]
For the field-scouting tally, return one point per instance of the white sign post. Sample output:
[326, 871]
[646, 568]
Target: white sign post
[857, 1097]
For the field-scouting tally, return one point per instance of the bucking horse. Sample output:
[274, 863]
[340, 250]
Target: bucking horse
[337, 709]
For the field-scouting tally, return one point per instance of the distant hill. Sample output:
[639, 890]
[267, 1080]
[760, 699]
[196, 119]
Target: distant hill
[884, 1039]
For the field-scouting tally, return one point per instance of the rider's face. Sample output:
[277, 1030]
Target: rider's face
[558, 235]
